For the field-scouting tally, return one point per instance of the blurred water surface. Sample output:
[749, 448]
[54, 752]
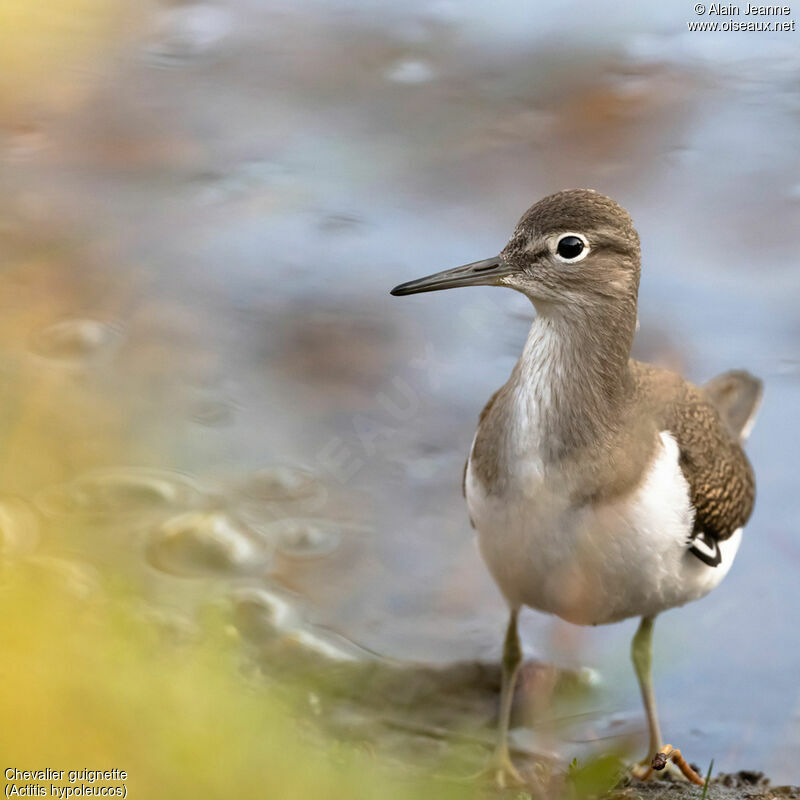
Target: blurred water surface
[206, 384]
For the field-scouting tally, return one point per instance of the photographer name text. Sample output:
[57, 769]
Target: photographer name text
[715, 9]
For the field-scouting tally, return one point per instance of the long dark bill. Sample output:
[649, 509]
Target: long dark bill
[480, 273]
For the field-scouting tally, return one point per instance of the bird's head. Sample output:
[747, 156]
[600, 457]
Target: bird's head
[574, 249]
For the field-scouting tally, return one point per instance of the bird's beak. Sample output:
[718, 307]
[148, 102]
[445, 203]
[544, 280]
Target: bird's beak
[480, 273]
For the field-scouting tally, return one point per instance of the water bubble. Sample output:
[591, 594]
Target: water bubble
[119, 491]
[19, 527]
[274, 493]
[282, 484]
[309, 538]
[305, 538]
[73, 341]
[205, 543]
[410, 71]
[260, 612]
[187, 33]
[213, 413]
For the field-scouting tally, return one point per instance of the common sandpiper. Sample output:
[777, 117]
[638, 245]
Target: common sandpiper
[601, 488]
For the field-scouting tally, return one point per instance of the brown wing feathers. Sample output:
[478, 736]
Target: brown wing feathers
[721, 481]
[707, 423]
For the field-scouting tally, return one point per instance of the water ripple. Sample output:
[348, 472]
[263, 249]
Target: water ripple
[279, 483]
[119, 491]
[305, 538]
[187, 33]
[262, 615]
[200, 543]
[261, 612]
[75, 341]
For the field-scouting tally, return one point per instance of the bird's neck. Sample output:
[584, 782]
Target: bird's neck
[573, 376]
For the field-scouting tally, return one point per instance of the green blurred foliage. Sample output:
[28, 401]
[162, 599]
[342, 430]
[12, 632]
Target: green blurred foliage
[94, 683]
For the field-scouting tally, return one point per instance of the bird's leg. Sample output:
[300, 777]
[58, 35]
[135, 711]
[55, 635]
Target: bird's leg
[642, 656]
[501, 768]
[659, 756]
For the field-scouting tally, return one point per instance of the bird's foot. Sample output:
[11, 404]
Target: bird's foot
[671, 756]
[500, 771]
[668, 761]
[643, 771]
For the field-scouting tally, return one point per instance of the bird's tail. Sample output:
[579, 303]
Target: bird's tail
[737, 396]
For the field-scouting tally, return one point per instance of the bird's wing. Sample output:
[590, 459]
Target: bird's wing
[482, 416]
[736, 395]
[720, 478]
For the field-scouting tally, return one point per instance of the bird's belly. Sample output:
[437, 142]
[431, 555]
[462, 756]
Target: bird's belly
[595, 563]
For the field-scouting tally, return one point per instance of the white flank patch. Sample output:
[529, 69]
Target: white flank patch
[598, 563]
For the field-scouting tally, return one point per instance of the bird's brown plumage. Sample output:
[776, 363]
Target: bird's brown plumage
[720, 478]
[706, 422]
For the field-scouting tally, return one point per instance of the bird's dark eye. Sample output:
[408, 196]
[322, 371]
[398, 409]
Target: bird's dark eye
[570, 247]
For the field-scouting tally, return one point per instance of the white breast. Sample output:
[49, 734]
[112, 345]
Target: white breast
[598, 563]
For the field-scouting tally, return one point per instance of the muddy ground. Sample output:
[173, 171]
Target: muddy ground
[742, 785]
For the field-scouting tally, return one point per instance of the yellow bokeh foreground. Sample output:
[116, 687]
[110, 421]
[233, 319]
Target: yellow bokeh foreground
[50, 50]
[87, 682]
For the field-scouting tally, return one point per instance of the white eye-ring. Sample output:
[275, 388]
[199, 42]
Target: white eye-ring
[571, 247]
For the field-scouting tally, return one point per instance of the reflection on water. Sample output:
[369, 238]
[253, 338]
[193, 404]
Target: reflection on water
[208, 249]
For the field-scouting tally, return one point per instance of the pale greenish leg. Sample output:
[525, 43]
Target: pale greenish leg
[642, 655]
[501, 766]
